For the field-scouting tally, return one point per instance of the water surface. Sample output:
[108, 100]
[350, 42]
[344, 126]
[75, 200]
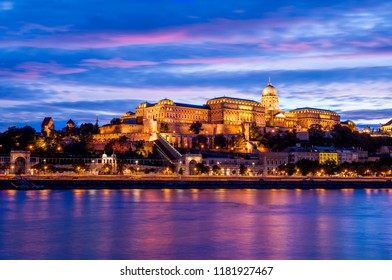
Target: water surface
[196, 224]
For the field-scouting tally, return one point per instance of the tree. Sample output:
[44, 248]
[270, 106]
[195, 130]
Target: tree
[289, 168]
[115, 121]
[164, 127]
[140, 150]
[5, 166]
[121, 166]
[196, 127]
[317, 136]
[216, 169]
[255, 134]
[243, 169]
[201, 168]
[17, 138]
[200, 141]
[119, 146]
[239, 142]
[329, 167]
[306, 166]
[80, 167]
[86, 128]
[106, 168]
[220, 141]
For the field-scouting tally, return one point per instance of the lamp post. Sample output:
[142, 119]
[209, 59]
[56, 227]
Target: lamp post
[253, 168]
[137, 167]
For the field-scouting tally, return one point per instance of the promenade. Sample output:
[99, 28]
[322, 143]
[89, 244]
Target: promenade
[198, 182]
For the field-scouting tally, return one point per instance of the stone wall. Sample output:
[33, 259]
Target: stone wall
[121, 129]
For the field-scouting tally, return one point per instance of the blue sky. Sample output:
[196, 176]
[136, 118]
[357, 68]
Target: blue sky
[81, 58]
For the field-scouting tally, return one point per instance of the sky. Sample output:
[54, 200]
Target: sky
[83, 59]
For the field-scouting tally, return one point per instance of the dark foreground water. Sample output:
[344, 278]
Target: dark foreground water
[196, 224]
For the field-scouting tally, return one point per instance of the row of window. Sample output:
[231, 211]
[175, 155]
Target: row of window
[275, 162]
[176, 109]
[315, 112]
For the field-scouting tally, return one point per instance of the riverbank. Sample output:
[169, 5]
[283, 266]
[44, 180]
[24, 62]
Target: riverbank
[194, 182]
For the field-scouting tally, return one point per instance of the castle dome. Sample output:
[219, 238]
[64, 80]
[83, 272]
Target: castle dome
[165, 101]
[270, 90]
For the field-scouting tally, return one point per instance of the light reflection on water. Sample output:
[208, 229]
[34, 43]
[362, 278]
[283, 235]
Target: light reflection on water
[196, 224]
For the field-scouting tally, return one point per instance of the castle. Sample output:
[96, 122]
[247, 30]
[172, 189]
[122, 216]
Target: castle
[222, 115]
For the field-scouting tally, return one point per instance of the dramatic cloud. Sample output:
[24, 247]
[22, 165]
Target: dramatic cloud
[6, 6]
[115, 63]
[77, 58]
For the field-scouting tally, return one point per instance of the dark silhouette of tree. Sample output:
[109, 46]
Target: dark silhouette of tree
[201, 168]
[216, 169]
[119, 146]
[243, 169]
[220, 141]
[196, 127]
[200, 141]
[306, 166]
[17, 138]
[289, 168]
[164, 128]
[115, 121]
[317, 136]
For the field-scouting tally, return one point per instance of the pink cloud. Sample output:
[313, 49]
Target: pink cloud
[50, 29]
[213, 60]
[294, 46]
[364, 44]
[218, 31]
[96, 40]
[35, 70]
[115, 62]
[51, 67]
[19, 75]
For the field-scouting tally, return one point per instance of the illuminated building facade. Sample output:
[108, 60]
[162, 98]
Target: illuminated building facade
[349, 124]
[226, 115]
[387, 127]
[328, 157]
[228, 110]
[168, 111]
[306, 117]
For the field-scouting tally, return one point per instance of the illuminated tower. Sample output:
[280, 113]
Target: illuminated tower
[269, 98]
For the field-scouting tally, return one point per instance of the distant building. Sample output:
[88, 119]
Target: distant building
[387, 127]
[297, 153]
[47, 126]
[306, 117]
[385, 150]
[350, 124]
[70, 124]
[366, 129]
[271, 161]
[352, 155]
[328, 156]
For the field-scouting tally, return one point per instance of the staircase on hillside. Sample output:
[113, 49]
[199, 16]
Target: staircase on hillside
[166, 149]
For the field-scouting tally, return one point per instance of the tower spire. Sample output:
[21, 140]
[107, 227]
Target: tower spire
[269, 81]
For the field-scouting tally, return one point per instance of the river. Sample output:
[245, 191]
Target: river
[196, 224]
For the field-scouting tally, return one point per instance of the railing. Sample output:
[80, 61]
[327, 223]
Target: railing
[168, 148]
[163, 153]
